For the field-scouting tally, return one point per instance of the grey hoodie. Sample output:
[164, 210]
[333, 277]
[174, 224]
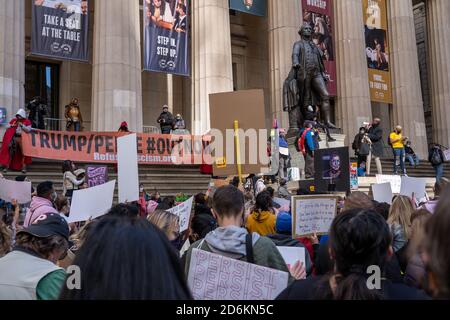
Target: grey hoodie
[230, 241]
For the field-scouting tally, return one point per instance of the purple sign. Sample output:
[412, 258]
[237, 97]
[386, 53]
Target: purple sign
[96, 175]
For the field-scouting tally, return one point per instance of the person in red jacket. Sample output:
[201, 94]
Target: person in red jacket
[11, 155]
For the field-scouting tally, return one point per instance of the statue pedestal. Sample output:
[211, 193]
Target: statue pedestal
[297, 160]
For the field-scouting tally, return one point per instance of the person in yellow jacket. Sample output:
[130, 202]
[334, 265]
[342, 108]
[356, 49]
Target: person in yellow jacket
[262, 220]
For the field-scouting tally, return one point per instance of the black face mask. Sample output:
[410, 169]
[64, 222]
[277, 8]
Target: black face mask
[177, 243]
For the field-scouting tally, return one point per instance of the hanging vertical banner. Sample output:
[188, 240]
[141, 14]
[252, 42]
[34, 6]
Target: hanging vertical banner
[255, 7]
[319, 14]
[166, 36]
[60, 29]
[377, 50]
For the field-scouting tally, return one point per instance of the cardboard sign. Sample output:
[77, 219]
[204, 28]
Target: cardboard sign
[395, 181]
[313, 214]
[128, 169]
[446, 154]
[248, 108]
[91, 203]
[292, 255]
[96, 175]
[413, 186]
[183, 211]
[382, 192]
[13, 190]
[215, 277]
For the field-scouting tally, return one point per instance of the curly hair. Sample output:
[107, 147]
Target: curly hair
[42, 246]
[5, 239]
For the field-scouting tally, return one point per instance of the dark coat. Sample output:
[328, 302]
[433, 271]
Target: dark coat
[376, 136]
[166, 120]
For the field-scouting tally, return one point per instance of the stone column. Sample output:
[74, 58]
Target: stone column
[285, 20]
[117, 73]
[438, 16]
[407, 93]
[212, 70]
[353, 102]
[12, 57]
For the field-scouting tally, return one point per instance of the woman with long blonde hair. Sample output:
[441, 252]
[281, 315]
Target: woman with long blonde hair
[168, 223]
[399, 221]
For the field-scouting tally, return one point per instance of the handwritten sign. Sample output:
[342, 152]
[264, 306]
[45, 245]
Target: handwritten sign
[96, 175]
[313, 214]
[395, 181]
[215, 277]
[13, 190]
[354, 183]
[183, 211]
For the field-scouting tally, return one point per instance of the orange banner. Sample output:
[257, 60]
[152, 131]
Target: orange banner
[100, 147]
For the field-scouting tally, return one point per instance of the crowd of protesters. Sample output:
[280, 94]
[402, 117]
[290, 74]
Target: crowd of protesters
[136, 250]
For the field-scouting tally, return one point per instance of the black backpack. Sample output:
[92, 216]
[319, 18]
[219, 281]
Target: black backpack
[436, 158]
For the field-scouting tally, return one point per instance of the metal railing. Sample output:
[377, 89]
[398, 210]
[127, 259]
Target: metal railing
[151, 130]
[53, 124]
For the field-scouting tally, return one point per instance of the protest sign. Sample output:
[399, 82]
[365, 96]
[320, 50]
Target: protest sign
[183, 211]
[13, 190]
[91, 203]
[332, 170]
[313, 214]
[354, 183]
[395, 181]
[128, 169]
[446, 154]
[282, 202]
[292, 255]
[101, 147]
[96, 175]
[215, 277]
[413, 186]
[293, 174]
[382, 192]
[60, 29]
[248, 108]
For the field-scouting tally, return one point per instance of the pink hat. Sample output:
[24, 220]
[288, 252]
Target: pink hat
[151, 207]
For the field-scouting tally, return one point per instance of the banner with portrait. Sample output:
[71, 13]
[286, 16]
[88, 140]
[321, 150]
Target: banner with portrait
[254, 7]
[377, 50]
[60, 29]
[166, 36]
[319, 14]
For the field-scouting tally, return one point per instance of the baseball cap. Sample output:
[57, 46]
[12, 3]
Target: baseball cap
[48, 225]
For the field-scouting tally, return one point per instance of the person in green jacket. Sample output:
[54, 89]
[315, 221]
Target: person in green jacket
[229, 239]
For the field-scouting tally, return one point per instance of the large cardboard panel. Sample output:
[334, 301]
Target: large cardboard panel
[248, 108]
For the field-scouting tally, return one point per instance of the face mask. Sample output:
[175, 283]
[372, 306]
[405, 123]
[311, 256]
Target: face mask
[141, 190]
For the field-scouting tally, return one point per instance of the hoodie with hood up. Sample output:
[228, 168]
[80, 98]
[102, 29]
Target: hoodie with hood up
[38, 207]
[262, 222]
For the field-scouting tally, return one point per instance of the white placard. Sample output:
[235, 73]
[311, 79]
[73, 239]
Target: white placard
[14, 190]
[91, 203]
[215, 277]
[284, 151]
[128, 172]
[446, 153]
[395, 181]
[416, 186]
[183, 211]
[294, 174]
[313, 215]
[382, 192]
[292, 255]
[282, 202]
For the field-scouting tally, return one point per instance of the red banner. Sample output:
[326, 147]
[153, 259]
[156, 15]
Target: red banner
[319, 14]
[100, 147]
